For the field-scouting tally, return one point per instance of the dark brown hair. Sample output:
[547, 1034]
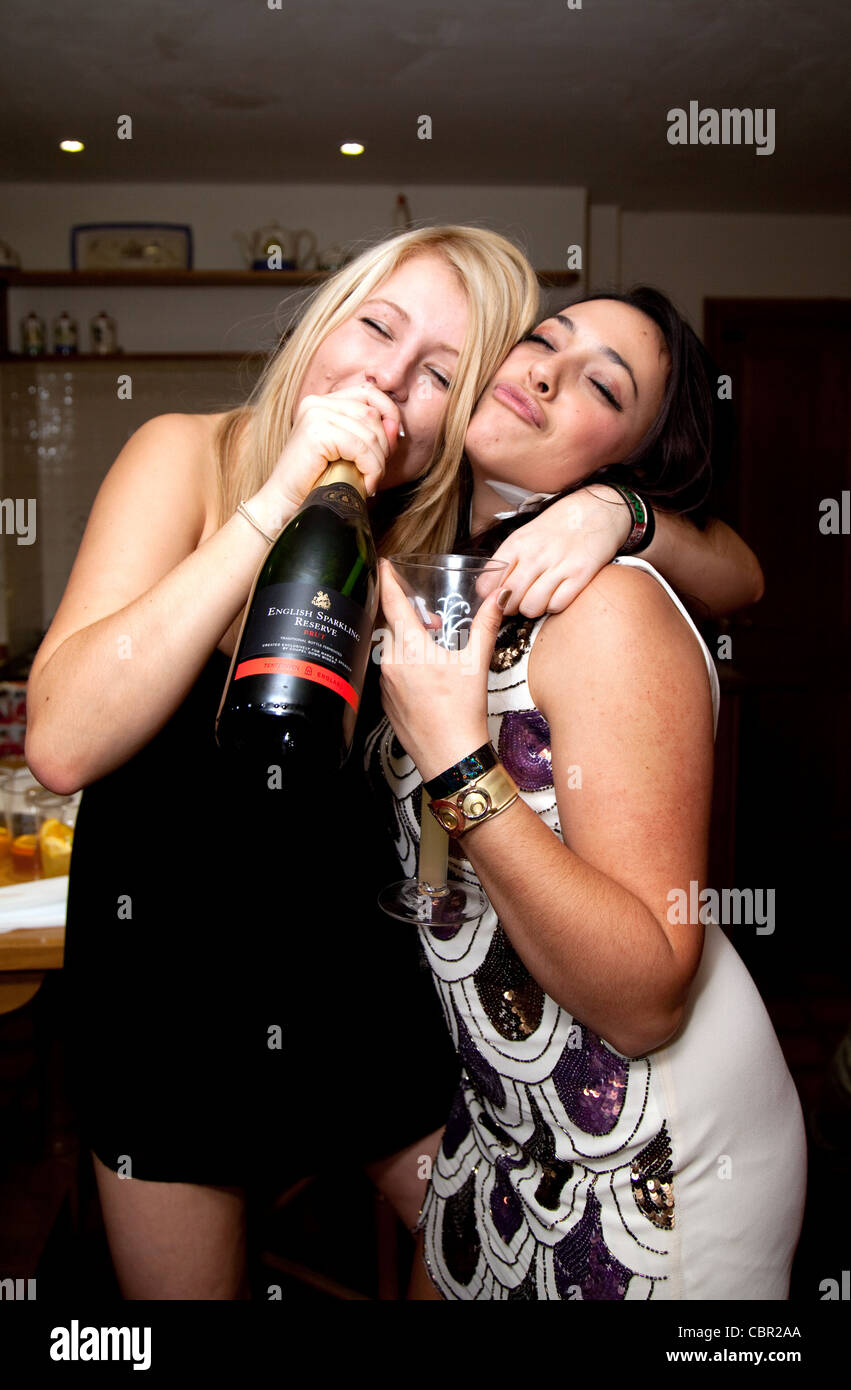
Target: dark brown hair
[672, 466]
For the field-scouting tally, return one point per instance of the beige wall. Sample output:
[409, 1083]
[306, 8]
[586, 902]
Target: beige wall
[692, 256]
[603, 270]
[37, 218]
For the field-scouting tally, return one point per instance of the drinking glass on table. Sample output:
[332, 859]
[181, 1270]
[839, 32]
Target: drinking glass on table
[5, 828]
[20, 821]
[55, 817]
[446, 592]
[17, 803]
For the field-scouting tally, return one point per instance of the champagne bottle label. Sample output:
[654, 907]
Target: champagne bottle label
[340, 498]
[310, 631]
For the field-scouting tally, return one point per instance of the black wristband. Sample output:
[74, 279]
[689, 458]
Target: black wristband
[643, 522]
[467, 770]
[651, 528]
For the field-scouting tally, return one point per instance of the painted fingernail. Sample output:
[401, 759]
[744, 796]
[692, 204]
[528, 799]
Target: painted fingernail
[503, 598]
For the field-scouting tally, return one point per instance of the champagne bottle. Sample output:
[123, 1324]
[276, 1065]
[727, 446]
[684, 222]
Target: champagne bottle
[297, 673]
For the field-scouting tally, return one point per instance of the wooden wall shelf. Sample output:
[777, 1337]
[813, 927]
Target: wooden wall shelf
[115, 359]
[173, 279]
[196, 279]
[182, 279]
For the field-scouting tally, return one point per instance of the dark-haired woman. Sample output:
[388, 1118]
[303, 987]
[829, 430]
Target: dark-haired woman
[626, 1126]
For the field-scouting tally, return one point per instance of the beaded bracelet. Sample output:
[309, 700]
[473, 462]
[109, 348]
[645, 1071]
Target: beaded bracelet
[643, 522]
[467, 770]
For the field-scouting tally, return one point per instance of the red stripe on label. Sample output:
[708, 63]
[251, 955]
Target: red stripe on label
[307, 670]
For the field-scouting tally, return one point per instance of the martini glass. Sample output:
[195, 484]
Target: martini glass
[446, 592]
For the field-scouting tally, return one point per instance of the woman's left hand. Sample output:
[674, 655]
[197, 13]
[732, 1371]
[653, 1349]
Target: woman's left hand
[552, 558]
[435, 699]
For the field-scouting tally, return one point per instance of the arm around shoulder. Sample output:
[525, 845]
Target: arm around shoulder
[714, 565]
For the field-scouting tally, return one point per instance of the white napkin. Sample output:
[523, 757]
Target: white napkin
[41, 903]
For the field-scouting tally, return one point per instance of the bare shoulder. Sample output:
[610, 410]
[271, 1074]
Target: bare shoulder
[623, 627]
[192, 432]
[617, 599]
[179, 441]
[177, 456]
[186, 442]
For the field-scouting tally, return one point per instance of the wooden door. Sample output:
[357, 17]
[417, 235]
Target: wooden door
[786, 684]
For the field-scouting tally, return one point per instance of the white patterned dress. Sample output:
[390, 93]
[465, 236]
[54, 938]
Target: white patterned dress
[566, 1170]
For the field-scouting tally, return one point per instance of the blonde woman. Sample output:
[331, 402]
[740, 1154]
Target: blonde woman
[239, 1014]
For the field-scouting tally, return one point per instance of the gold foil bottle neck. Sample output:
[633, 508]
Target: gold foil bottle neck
[343, 472]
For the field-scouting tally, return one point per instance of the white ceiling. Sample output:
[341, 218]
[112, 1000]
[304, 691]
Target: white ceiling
[519, 92]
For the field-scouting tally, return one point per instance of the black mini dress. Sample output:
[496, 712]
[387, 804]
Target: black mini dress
[238, 1010]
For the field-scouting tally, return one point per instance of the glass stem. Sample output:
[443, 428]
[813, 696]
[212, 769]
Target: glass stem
[434, 852]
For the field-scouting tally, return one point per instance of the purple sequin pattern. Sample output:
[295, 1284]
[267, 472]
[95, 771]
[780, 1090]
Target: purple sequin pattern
[591, 1084]
[524, 749]
[584, 1259]
[457, 1126]
[483, 1076]
[505, 1205]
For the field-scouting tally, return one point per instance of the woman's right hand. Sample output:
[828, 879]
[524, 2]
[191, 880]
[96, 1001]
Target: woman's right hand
[360, 424]
[553, 557]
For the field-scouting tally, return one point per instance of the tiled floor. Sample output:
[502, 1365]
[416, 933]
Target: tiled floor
[50, 1222]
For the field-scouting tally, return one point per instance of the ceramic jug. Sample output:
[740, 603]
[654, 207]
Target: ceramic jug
[277, 248]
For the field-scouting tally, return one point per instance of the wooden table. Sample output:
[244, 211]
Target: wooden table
[24, 957]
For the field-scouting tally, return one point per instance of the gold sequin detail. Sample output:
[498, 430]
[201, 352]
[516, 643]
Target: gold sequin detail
[515, 1003]
[512, 641]
[512, 1000]
[652, 1181]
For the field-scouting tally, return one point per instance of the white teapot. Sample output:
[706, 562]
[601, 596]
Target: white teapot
[277, 248]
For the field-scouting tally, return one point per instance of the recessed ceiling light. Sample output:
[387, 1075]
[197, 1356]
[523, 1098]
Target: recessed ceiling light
[71, 146]
[351, 147]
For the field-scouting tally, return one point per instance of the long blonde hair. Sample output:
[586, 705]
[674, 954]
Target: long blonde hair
[502, 293]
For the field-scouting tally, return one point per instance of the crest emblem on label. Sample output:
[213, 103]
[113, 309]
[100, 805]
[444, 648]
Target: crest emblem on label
[344, 496]
[321, 599]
